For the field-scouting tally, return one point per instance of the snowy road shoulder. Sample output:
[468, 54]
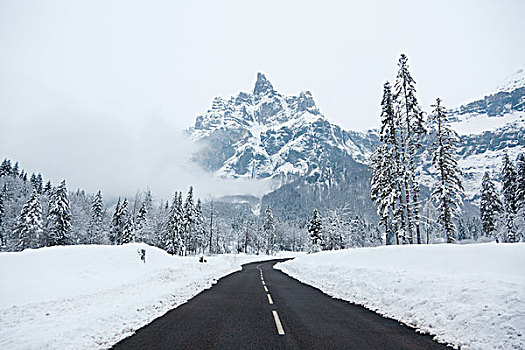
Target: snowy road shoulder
[91, 297]
[470, 296]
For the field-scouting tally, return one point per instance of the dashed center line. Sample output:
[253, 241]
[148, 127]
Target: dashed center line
[269, 298]
[278, 324]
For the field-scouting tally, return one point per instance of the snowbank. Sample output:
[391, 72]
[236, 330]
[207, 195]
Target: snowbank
[470, 296]
[87, 297]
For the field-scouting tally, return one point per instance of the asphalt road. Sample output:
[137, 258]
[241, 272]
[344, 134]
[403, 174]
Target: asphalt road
[262, 308]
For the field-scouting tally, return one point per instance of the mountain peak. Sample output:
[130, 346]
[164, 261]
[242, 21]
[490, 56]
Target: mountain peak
[262, 85]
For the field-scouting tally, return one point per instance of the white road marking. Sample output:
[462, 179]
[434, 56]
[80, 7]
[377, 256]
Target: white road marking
[269, 298]
[265, 289]
[263, 283]
[280, 329]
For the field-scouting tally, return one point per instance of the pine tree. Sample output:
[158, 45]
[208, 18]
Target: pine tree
[116, 223]
[315, 229]
[173, 241]
[269, 230]
[29, 224]
[385, 190]
[123, 222]
[148, 200]
[189, 220]
[333, 232]
[2, 215]
[411, 128]
[490, 206]
[95, 223]
[39, 183]
[5, 168]
[48, 188]
[128, 232]
[447, 189]
[140, 221]
[520, 196]
[59, 218]
[509, 181]
[200, 230]
[16, 169]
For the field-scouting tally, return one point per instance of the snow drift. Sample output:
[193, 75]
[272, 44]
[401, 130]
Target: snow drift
[90, 297]
[469, 296]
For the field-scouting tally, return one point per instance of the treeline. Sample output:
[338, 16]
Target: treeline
[396, 178]
[33, 215]
[503, 212]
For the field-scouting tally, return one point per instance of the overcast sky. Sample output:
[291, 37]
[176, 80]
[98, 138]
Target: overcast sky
[96, 91]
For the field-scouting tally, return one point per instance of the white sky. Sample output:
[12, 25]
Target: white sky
[95, 91]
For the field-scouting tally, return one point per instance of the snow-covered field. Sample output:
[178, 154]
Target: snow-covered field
[90, 297]
[470, 296]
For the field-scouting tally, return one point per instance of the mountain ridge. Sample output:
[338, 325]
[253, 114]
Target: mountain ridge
[265, 135]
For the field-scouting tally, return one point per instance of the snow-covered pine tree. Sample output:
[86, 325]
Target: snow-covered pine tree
[269, 230]
[128, 231]
[32, 179]
[189, 221]
[123, 221]
[447, 188]
[59, 218]
[315, 229]
[141, 216]
[333, 231]
[148, 200]
[16, 169]
[39, 183]
[200, 229]
[520, 181]
[385, 189]
[411, 128]
[2, 214]
[29, 224]
[95, 223]
[490, 206]
[36, 182]
[48, 188]
[173, 242]
[509, 182]
[5, 167]
[520, 196]
[116, 220]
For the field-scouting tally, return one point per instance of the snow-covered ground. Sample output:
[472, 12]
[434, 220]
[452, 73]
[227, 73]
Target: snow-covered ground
[470, 296]
[90, 297]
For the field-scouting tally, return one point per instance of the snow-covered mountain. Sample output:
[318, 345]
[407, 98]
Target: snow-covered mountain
[266, 135]
[489, 127]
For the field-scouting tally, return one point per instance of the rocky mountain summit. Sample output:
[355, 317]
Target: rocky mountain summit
[266, 135]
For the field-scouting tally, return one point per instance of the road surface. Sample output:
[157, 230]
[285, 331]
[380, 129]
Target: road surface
[262, 308]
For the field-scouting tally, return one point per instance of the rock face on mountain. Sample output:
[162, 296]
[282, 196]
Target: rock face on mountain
[508, 98]
[488, 128]
[264, 134]
[286, 139]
